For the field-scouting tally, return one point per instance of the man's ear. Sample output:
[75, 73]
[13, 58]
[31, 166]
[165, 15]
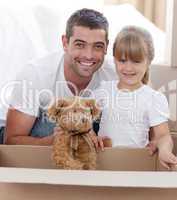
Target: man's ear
[95, 110]
[64, 42]
[105, 51]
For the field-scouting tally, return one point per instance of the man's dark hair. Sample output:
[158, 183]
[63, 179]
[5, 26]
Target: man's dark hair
[88, 18]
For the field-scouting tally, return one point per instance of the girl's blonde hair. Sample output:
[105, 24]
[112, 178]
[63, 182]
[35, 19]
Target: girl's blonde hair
[136, 44]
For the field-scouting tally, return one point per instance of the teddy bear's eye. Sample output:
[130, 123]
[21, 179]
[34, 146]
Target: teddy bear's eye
[58, 112]
[84, 120]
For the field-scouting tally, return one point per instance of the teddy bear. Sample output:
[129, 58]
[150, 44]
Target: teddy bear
[74, 149]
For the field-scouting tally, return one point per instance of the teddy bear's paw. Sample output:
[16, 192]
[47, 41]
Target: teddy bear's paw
[73, 164]
[89, 166]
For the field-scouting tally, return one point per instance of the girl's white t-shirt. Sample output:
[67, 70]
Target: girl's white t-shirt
[127, 116]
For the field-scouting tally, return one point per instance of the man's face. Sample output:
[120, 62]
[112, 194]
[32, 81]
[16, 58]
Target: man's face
[85, 50]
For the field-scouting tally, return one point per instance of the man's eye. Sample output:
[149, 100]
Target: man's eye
[99, 47]
[79, 45]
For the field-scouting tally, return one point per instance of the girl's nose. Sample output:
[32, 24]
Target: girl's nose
[129, 66]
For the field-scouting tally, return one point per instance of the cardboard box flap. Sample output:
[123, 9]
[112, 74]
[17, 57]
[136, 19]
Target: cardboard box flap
[26, 156]
[126, 159]
[122, 159]
[89, 178]
[174, 136]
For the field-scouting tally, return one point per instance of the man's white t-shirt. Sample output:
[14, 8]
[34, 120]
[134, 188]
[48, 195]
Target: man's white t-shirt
[42, 81]
[127, 116]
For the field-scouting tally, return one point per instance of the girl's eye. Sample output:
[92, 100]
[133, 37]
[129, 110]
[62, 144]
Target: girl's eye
[122, 60]
[137, 61]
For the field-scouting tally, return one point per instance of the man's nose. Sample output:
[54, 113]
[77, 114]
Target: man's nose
[88, 52]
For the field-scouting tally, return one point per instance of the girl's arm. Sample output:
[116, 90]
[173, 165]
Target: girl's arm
[163, 140]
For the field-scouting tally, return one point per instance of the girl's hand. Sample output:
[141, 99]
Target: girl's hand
[167, 159]
[152, 148]
[104, 142]
[96, 140]
[100, 142]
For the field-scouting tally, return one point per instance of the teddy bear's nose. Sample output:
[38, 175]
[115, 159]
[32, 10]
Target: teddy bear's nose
[83, 120]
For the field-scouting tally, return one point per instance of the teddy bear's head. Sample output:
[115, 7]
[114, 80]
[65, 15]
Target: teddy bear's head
[75, 114]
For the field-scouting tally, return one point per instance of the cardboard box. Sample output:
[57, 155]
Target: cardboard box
[27, 172]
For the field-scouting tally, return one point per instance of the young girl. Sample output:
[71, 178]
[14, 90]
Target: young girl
[129, 106]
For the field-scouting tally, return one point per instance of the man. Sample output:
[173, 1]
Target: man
[80, 69]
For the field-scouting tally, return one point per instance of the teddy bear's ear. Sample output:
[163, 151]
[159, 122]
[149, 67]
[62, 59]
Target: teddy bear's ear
[52, 113]
[55, 110]
[94, 107]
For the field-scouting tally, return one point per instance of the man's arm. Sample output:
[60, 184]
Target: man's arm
[18, 127]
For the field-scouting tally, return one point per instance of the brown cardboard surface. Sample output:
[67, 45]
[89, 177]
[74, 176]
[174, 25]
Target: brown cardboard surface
[26, 156]
[125, 159]
[111, 159]
[54, 192]
[27, 172]
[174, 136]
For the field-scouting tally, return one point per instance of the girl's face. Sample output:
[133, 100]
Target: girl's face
[130, 73]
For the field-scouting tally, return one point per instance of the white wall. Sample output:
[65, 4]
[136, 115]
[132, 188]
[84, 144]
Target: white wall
[164, 79]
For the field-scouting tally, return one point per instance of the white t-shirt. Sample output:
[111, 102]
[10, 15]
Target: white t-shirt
[43, 80]
[127, 116]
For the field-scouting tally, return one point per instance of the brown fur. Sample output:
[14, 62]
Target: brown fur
[74, 149]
